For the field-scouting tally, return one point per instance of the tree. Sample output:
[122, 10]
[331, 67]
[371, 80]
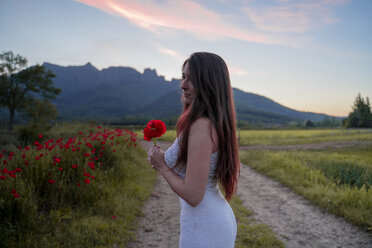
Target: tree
[20, 87]
[361, 115]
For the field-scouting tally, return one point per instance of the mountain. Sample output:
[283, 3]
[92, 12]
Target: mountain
[123, 92]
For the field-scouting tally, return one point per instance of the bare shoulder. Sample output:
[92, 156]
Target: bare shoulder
[203, 129]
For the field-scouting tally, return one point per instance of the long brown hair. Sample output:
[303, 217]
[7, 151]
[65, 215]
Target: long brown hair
[213, 100]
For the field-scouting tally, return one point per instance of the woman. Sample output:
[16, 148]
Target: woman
[204, 154]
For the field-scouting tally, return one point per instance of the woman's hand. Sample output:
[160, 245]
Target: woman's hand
[156, 158]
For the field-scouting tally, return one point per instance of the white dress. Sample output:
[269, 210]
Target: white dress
[211, 223]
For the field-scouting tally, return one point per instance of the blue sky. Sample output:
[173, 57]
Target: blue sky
[307, 55]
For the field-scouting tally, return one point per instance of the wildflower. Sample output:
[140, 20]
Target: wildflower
[16, 195]
[113, 217]
[18, 170]
[60, 169]
[2, 177]
[51, 181]
[74, 166]
[87, 181]
[78, 184]
[14, 191]
[86, 174]
[57, 159]
[40, 136]
[12, 153]
[37, 157]
[92, 177]
[23, 155]
[26, 163]
[27, 148]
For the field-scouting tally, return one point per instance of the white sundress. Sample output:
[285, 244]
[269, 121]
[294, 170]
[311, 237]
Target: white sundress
[212, 222]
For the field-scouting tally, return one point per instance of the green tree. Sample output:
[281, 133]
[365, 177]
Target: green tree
[19, 87]
[361, 115]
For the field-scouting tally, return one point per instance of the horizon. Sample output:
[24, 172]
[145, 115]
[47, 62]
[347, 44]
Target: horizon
[312, 56]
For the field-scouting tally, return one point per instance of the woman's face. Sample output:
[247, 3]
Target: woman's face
[187, 86]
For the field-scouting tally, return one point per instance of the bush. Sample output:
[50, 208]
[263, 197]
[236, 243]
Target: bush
[51, 184]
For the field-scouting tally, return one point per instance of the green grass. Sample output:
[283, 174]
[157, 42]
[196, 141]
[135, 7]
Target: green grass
[295, 137]
[335, 179]
[102, 213]
[250, 233]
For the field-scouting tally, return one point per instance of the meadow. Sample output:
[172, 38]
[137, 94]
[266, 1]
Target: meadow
[303, 136]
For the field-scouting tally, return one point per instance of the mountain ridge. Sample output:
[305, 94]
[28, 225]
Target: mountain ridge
[119, 92]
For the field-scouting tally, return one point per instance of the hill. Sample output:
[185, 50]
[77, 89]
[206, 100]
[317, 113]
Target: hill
[124, 93]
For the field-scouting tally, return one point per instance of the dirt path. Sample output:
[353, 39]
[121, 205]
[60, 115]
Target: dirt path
[295, 220]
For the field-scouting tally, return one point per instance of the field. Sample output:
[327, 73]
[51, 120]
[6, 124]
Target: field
[336, 179]
[296, 137]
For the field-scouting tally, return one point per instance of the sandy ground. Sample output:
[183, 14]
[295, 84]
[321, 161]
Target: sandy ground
[294, 220]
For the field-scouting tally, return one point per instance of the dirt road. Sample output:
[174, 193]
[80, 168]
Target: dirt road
[294, 220]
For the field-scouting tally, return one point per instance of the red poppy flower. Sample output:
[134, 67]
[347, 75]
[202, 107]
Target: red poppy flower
[57, 159]
[87, 181]
[86, 174]
[16, 195]
[51, 181]
[74, 166]
[113, 217]
[2, 177]
[60, 169]
[14, 191]
[40, 136]
[37, 157]
[154, 129]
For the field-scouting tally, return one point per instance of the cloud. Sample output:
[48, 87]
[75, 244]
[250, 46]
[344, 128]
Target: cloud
[236, 71]
[298, 16]
[180, 15]
[174, 54]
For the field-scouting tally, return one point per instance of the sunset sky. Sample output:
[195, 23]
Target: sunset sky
[307, 55]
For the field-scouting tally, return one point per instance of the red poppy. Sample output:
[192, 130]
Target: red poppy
[74, 166]
[51, 181]
[14, 191]
[154, 129]
[37, 157]
[86, 174]
[87, 181]
[16, 195]
[60, 169]
[40, 136]
[113, 217]
[57, 159]
[2, 177]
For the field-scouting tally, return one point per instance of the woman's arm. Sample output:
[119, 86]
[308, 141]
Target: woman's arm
[200, 147]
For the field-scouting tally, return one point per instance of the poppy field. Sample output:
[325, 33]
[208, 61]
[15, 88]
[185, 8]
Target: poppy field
[76, 190]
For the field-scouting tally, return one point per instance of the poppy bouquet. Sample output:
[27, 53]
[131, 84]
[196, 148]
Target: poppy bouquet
[154, 129]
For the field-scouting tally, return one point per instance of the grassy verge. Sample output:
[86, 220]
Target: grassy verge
[251, 233]
[86, 191]
[336, 180]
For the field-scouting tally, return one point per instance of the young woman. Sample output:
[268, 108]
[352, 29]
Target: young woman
[204, 154]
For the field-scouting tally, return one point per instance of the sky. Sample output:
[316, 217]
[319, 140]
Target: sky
[307, 55]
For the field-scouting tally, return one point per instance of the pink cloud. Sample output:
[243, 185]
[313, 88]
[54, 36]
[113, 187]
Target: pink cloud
[294, 16]
[184, 15]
